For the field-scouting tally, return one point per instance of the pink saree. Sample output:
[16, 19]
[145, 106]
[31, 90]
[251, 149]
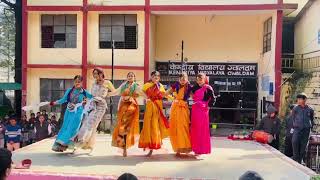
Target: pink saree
[200, 132]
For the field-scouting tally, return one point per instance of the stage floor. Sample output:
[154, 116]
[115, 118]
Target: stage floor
[228, 161]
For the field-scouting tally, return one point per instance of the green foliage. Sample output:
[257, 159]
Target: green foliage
[317, 177]
[7, 38]
[298, 82]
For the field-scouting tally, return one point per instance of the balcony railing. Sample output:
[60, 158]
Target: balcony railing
[299, 62]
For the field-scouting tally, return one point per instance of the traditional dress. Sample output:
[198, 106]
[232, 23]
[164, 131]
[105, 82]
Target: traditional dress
[86, 137]
[127, 128]
[155, 123]
[72, 117]
[200, 132]
[180, 119]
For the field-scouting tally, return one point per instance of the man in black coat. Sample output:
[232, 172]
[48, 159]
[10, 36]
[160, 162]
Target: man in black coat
[271, 124]
[303, 121]
[289, 132]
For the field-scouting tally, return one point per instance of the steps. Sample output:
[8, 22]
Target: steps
[312, 90]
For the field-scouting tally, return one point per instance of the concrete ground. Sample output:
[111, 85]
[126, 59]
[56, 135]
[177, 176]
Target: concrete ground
[228, 161]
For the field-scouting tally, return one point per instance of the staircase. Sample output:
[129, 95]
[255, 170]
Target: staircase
[312, 90]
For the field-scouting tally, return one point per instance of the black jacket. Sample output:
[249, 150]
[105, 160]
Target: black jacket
[302, 117]
[270, 125]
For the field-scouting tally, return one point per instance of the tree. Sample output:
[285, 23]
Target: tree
[7, 39]
[16, 7]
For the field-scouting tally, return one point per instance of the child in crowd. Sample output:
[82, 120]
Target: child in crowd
[13, 135]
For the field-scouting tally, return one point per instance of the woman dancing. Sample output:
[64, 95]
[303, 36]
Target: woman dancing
[75, 97]
[127, 128]
[200, 132]
[85, 138]
[180, 116]
[155, 123]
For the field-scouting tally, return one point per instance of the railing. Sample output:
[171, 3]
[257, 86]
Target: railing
[298, 62]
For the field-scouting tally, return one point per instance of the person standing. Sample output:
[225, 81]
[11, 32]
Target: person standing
[24, 130]
[42, 129]
[13, 135]
[86, 136]
[2, 131]
[75, 97]
[203, 96]
[155, 124]
[32, 122]
[54, 125]
[271, 125]
[180, 116]
[127, 128]
[289, 132]
[303, 121]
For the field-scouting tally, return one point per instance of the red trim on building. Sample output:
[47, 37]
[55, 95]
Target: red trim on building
[245, 7]
[24, 52]
[91, 66]
[147, 39]
[115, 8]
[54, 8]
[84, 42]
[278, 51]
[54, 66]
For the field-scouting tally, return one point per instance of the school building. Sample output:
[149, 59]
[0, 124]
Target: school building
[238, 43]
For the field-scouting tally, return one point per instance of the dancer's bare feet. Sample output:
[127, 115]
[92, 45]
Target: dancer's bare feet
[74, 151]
[150, 153]
[178, 154]
[124, 152]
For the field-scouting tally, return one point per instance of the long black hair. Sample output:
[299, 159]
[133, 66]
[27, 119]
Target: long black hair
[5, 162]
[78, 77]
[99, 70]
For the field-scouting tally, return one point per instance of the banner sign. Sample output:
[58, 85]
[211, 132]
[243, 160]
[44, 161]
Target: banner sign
[210, 69]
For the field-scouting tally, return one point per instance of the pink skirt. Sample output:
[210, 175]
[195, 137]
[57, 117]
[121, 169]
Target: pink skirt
[200, 131]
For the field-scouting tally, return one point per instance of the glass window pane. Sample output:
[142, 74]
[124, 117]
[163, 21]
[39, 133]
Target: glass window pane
[105, 37]
[59, 44]
[71, 19]
[269, 37]
[105, 20]
[59, 20]
[270, 25]
[57, 94]
[57, 84]
[59, 29]
[118, 33]
[265, 28]
[71, 40]
[105, 29]
[68, 84]
[131, 20]
[71, 29]
[117, 20]
[46, 20]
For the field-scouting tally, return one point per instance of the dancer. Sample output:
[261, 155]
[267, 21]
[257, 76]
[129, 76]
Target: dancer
[127, 127]
[200, 133]
[180, 116]
[85, 138]
[155, 123]
[75, 97]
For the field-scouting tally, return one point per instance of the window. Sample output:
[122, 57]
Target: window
[59, 31]
[54, 89]
[120, 28]
[267, 31]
